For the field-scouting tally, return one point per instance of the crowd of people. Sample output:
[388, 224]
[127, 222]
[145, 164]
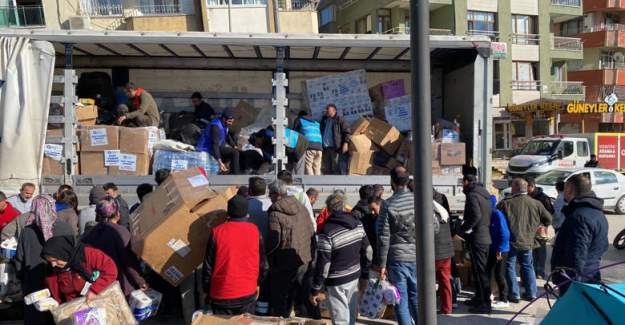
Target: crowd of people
[275, 256]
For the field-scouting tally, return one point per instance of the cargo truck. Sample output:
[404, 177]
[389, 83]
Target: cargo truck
[461, 85]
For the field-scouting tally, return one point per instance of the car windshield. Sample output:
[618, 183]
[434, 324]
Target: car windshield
[540, 147]
[552, 177]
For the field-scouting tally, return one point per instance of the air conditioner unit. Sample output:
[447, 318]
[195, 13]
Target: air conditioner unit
[619, 57]
[79, 22]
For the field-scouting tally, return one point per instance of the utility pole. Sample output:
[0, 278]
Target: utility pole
[421, 128]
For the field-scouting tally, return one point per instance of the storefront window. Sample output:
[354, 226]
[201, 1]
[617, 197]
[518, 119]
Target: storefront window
[570, 128]
[540, 127]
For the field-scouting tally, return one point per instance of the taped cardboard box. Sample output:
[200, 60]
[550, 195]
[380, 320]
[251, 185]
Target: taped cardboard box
[99, 138]
[131, 164]
[453, 154]
[387, 137]
[92, 164]
[360, 126]
[134, 140]
[244, 114]
[52, 167]
[87, 115]
[169, 230]
[360, 143]
[361, 163]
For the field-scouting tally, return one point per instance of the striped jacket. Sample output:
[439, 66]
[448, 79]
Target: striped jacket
[396, 229]
[344, 253]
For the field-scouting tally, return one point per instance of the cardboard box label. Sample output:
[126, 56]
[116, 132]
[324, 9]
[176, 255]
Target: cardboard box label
[53, 151]
[98, 137]
[111, 158]
[181, 248]
[153, 136]
[127, 162]
[178, 164]
[173, 274]
[398, 113]
[198, 180]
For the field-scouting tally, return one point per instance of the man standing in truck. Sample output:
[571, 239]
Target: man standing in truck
[143, 110]
[335, 132]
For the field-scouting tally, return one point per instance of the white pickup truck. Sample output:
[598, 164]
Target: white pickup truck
[543, 154]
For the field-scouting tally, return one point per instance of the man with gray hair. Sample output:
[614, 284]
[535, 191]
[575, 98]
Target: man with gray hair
[524, 216]
[289, 240]
[344, 257]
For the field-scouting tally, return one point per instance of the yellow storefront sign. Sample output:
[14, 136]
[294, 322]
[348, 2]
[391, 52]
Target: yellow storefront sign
[541, 107]
[593, 108]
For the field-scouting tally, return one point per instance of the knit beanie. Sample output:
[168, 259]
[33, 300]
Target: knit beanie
[237, 207]
[96, 194]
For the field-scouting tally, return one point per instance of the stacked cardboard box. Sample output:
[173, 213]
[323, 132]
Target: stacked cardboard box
[448, 158]
[96, 143]
[169, 228]
[373, 146]
[52, 155]
[86, 112]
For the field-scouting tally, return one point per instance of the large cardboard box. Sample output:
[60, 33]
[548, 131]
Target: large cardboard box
[169, 230]
[131, 164]
[99, 138]
[52, 167]
[360, 126]
[92, 164]
[87, 115]
[384, 135]
[244, 115]
[361, 163]
[453, 154]
[360, 143]
[134, 140]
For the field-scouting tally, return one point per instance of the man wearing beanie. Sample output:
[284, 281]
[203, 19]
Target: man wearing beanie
[216, 140]
[86, 217]
[235, 263]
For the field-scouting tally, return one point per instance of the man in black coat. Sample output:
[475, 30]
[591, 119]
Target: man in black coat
[540, 253]
[335, 133]
[583, 237]
[475, 226]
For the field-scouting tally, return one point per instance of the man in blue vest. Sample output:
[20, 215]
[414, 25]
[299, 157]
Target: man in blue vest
[311, 129]
[216, 140]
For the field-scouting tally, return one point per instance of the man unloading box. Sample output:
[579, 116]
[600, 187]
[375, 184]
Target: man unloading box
[144, 111]
[216, 140]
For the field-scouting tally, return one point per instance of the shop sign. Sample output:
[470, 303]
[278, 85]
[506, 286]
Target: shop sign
[609, 105]
[541, 107]
[499, 50]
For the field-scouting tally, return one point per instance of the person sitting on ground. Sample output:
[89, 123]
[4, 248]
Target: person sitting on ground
[73, 266]
[234, 263]
[142, 190]
[161, 175]
[23, 201]
[114, 240]
[144, 111]
[593, 162]
[217, 141]
[7, 212]
[112, 191]
[343, 262]
[67, 209]
[87, 216]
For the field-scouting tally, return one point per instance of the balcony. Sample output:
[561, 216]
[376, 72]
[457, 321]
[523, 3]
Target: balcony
[524, 91]
[604, 35]
[525, 47]
[565, 90]
[601, 73]
[292, 5]
[493, 35]
[604, 5]
[434, 4]
[22, 16]
[406, 30]
[563, 10]
[567, 48]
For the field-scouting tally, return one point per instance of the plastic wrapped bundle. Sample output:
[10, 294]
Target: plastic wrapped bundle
[111, 300]
[182, 160]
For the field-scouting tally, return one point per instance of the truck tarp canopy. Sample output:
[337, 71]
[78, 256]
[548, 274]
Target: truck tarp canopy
[232, 51]
[25, 97]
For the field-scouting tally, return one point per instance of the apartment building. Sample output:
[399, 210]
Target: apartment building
[534, 69]
[602, 70]
[245, 16]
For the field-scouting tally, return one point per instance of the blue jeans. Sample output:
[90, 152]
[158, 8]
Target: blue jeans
[403, 275]
[528, 277]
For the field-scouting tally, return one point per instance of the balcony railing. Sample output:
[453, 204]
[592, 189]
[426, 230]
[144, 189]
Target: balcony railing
[406, 30]
[494, 35]
[525, 39]
[567, 43]
[599, 93]
[611, 65]
[21, 16]
[605, 27]
[93, 9]
[158, 10]
[567, 88]
[531, 85]
[298, 4]
[567, 3]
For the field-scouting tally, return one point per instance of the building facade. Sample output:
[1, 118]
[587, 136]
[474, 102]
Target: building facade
[538, 49]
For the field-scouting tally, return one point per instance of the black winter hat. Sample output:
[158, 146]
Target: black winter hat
[237, 207]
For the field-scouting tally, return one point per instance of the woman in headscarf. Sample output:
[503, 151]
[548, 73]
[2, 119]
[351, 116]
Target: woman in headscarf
[67, 208]
[77, 270]
[114, 240]
[41, 225]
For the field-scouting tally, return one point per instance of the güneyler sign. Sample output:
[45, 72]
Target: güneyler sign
[593, 108]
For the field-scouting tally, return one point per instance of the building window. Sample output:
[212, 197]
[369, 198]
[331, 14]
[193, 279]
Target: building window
[220, 3]
[572, 27]
[524, 76]
[327, 15]
[481, 23]
[524, 30]
[363, 25]
[384, 24]
[165, 7]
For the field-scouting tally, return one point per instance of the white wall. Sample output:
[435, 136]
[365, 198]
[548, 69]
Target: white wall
[524, 96]
[244, 19]
[525, 53]
[524, 7]
[483, 5]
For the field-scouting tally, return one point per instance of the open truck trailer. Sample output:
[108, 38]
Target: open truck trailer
[461, 85]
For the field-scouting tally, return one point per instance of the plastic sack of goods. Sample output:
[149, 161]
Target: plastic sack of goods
[377, 296]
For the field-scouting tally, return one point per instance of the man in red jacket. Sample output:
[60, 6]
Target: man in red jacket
[235, 262]
[7, 212]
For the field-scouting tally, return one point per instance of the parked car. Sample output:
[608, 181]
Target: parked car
[607, 184]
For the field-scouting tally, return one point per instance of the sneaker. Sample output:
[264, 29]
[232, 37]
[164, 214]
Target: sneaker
[514, 300]
[500, 304]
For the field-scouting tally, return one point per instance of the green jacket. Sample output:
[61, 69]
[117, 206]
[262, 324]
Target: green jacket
[524, 215]
[148, 107]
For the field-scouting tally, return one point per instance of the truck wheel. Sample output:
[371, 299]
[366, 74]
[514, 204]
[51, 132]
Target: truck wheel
[619, 240]
[620, 205]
